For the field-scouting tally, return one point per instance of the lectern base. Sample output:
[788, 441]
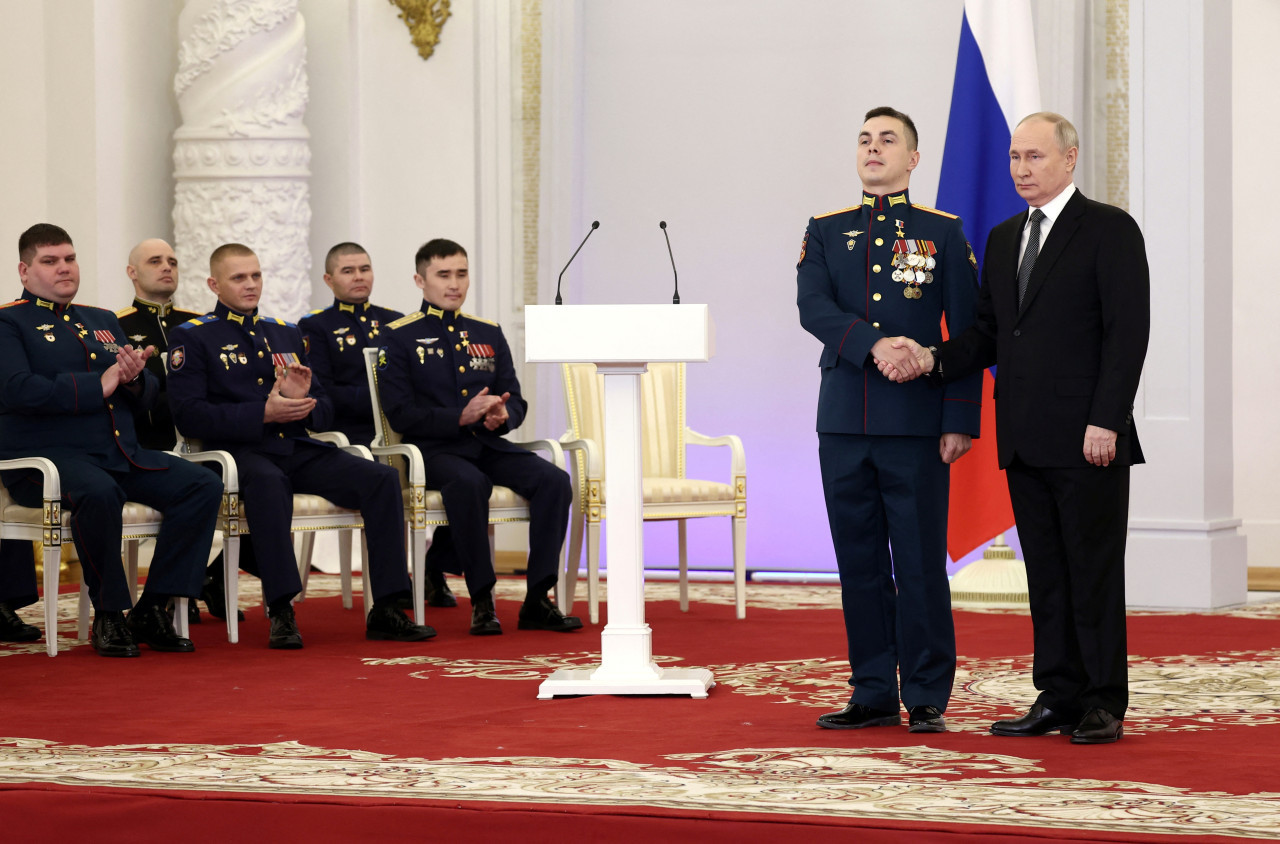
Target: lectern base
[669, 681]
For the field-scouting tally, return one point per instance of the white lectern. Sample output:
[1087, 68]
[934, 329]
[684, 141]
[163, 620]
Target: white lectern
[621, 340]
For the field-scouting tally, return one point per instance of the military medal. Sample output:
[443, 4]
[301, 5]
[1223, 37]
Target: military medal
[351, 339]
[899, 232]
[422, 355]
[47, 328]
[243, 358]
[223, 357]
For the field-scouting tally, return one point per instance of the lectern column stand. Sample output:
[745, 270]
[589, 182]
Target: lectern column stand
[626, 646]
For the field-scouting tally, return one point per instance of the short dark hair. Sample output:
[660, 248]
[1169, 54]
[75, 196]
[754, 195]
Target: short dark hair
[438, 248]
[913, 138]
[228, 250]
[41, 234]
[344, 248]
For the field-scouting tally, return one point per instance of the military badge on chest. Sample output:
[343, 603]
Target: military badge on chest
[913, 264]
[343, 337]
[483, 357]
[107, 339]
[47, 328]
[230, 356]
[429, 346]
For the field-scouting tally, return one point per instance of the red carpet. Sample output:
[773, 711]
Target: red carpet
[347, 737]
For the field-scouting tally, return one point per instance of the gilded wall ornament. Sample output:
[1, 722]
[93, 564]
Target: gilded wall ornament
[425, 19]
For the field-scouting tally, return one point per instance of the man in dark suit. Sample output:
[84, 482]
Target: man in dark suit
[449, 387]
[239, 381]
[883, 267]
[1065, 314]
[70, 387]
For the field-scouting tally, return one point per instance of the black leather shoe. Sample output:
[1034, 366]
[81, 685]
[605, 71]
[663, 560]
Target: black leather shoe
[1038, 721]
[855, 716]
[391, 624]
[214, 596]
[1098, 726]
[544, 615]
[925, 719]
[14, 629]
[284, 631]
[438, 592]
[193, 611]
[153, 627]
[484, 619]
[110, 635]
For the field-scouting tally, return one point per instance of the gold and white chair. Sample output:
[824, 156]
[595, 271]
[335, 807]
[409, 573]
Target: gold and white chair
[668, 494]
[49, 524]
[424, 508]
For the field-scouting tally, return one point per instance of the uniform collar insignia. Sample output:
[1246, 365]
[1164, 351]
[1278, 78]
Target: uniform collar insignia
[154, 307]
[221, 310]
[432, 310]
[46, 304]
[350, 308]
[888, 200]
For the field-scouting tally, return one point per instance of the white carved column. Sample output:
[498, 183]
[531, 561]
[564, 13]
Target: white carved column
[240, 156]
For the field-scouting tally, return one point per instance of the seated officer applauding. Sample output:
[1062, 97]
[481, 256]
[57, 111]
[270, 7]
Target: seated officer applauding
[449, 387]
[239, 382]
[69, 391]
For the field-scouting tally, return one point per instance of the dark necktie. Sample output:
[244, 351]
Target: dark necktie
[1029, 257]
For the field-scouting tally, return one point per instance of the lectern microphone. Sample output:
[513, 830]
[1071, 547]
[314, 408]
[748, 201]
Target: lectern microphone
[594, 225]
[675, 298]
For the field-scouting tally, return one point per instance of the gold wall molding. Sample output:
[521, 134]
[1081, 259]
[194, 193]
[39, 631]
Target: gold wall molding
[425, 20]
[1117, 102]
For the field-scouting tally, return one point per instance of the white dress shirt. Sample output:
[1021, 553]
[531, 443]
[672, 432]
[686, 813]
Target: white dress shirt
[1052, 209]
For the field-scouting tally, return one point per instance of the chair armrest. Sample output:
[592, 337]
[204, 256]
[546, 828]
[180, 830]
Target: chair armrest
[412, 455]
[738, 459]
[592, 457]
[335, 437]
[357, 450]
[550, 446]
[51, 489]
[223, 460]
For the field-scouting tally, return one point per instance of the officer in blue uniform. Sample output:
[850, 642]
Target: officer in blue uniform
[69, 389]
[337, 336]
[153, 269]
[449, 387]
[240, 382]
[864, 273]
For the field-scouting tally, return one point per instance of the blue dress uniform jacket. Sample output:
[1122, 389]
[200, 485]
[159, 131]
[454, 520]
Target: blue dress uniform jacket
[52, 357]
[148, 324]
[221, 371]
[848, 299]
[434, 363]
[437, 361]
[335, 339]
[883, 268]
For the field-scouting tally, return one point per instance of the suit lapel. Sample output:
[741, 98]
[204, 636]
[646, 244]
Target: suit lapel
[1064, 228]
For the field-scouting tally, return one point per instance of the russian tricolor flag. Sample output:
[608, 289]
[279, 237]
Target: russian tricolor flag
[997, 84]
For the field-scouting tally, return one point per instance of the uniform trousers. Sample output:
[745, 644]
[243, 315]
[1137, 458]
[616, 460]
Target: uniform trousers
[187, 496]
[1073, 525]
[268, 483]
[883, 493]
[465, 484]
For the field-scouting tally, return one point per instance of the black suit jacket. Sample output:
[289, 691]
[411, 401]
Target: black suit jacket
[1072, 356]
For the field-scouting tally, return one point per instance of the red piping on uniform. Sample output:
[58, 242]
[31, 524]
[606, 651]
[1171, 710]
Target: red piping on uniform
[966, 401]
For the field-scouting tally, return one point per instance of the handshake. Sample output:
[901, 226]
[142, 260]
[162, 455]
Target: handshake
[901, 359]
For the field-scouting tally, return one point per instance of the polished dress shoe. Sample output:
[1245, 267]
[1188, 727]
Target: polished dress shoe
[438, 592]
[110, 635]
[284, 630]
[1038, 721]
[855, 716]
[544, 615]
[925, 719]
[214, 595]
[389, 623]
[153, 627]
[1098, 726]
[13, 628]
[193, 611]
[484, 619]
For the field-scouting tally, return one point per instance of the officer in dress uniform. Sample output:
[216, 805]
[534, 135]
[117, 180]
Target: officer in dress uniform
[336, 338]
[240, 382]
[864, 272]
[69, 389]
[153, 269]
[449, 387]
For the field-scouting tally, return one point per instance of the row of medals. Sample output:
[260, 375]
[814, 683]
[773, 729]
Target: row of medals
[914, 270]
